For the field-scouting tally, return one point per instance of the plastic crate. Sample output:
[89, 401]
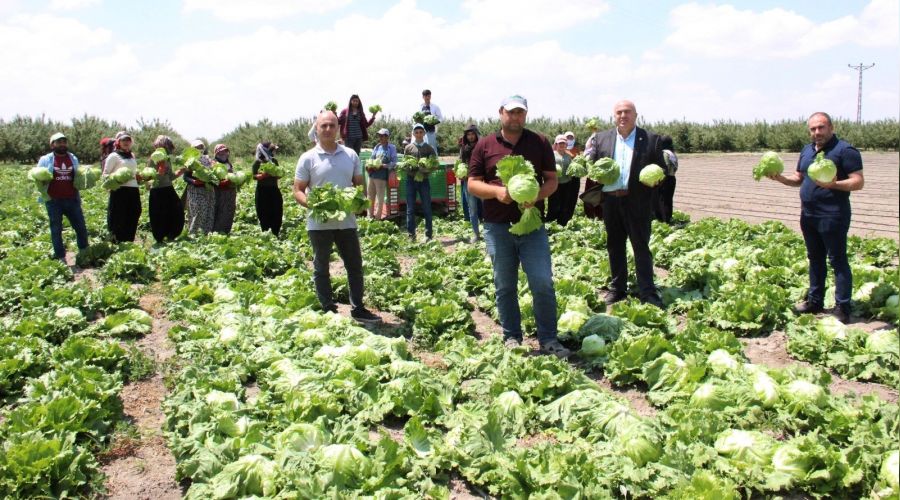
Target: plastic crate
[443, 187]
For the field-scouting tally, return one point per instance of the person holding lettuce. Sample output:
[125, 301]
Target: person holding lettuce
[201, 202]
[225, 194]
[825, 212]
[471, 204]
[418, 149]
[61, 197]
[627, 202]
[269, 202]
[125, 198]
[354, 125]
[509, 251]
[164, 205]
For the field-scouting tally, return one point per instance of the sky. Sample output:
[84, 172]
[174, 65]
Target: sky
[207, 66]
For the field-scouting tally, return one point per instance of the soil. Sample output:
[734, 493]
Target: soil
[147, 469]
[771, 351]
[636, 398]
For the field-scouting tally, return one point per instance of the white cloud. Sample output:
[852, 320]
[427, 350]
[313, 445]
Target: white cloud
[498, 18]
[724, 31]
[72, 4]
[244, 10]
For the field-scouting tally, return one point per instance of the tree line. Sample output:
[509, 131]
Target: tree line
[23, 139]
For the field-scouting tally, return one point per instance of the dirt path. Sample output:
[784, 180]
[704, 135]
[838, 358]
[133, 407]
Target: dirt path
[721, 185]
[147, 471]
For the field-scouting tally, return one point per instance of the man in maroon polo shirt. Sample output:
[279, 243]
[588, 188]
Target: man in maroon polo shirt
[508, 252]
[61, 197]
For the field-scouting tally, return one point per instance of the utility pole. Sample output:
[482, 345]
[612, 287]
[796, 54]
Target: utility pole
[859, 69]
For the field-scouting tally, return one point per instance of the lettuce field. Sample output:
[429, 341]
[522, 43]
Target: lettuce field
[205, 368]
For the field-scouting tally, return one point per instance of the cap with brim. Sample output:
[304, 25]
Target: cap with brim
[418, 125]
[57, 136]
[121, 136]
[197, 143]
[560, 138]
[567, 134]
[514, 102]
[384, 131]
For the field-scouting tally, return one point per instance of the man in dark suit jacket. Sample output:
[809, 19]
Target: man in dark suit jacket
[628, 204]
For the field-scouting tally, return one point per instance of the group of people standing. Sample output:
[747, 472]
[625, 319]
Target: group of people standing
[202, 208]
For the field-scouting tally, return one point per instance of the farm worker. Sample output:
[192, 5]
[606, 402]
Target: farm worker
[595, 211]
[662, 209]
[508, 252]
[201, 202]
[627, 207]
[429, 108]
[124, 206]
[471, 204]
[166, 211]
[378, 178]
[225, 194]
[418, 148]
[107, 145]
[561, 205]
[353, 123]
[825, 214]
[330, 162]
[61, 197]
[269, 203]
[556, 200]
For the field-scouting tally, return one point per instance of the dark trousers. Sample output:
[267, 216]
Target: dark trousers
[561, 205]
[71, 208]
[354, 144]
[423, 189]
[124, 213]
[347, 243]
[827, 237]
[269, 208]
[665, 192]
[621, 225]
[166, 213]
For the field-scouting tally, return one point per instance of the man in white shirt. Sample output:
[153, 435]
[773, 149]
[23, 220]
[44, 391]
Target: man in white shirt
[330, 162]
[429, 108]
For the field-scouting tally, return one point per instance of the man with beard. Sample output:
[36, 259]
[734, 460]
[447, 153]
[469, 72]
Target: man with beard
[61, 197]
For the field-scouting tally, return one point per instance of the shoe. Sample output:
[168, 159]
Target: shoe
[555, 348]
[807, 307]
[363, 315]
[840, 314]
[332, 308]
[654, 301]
[611, 297]
[512, 343]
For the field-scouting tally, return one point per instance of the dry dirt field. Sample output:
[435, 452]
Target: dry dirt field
[721, 185]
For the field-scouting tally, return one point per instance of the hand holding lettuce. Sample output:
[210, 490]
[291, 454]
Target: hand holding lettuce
[520, 180]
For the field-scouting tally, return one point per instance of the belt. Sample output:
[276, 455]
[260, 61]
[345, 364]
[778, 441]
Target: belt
[621, 193]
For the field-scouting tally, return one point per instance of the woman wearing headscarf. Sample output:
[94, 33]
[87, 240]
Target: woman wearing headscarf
[226, 194]
[471, 203]
[124, 206]
[269, 202]
[353, 124]
[166, 211]
[201, 201]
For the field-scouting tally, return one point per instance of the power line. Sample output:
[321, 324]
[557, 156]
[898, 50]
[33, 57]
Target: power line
[860, 68]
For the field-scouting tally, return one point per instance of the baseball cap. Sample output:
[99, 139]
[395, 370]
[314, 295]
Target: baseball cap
[569, 133]
[560, 138]
[197, 143]
[122, 135]
[514, 101]
[384, 131]
[57, 136]
[418, 125]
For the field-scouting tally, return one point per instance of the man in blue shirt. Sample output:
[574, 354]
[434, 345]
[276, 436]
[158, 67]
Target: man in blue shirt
[627, 203]
[825, 214]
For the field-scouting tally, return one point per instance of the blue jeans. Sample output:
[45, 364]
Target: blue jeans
[471, 206]
[423, 188]
[532, 252]
[827, 237]
[71, 208]
[431, 138]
